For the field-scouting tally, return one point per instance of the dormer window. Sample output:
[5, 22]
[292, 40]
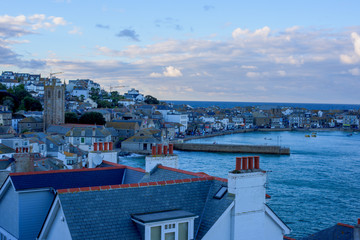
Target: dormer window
[167, 225]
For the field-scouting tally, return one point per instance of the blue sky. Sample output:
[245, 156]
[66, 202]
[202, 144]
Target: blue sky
[256, 51]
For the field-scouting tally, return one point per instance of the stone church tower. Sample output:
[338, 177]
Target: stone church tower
[54, 103]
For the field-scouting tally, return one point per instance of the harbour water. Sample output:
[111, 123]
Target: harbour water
[315, 187]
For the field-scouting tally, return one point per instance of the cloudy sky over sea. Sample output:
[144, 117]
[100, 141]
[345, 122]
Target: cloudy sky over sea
[253, 51]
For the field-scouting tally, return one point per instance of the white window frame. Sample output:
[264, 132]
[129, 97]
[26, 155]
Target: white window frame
[148, 227]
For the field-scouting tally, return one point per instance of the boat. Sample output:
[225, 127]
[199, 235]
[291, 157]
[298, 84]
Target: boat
[307, 135]
[313, 135]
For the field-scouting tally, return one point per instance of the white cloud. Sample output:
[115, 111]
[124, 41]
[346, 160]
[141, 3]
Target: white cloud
[355, 71]
[243, 33]
[155, 75]
[281, 73]
[355, 56]
[172, 72]
[292, 29]
[289, 60]
[58, 20]
[253, 74]
[169, 71]
[248, 67]
[21, 25]
[75, 30]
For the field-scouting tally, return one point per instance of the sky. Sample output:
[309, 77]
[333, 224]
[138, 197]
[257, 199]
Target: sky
[246, 51]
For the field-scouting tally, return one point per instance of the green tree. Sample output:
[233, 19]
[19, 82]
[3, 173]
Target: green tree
[19, 92]
[71, 117]
[2, 86]
[103, 104]
[8, 101]
[92, 118]
[31, 104]
[151, 100]
[94, 94]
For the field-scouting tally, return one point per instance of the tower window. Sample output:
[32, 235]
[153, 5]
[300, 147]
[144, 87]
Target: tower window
[49, 94]
[59, 95]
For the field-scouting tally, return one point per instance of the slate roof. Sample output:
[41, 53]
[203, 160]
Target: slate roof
[88, 132]
[338, 232]
[4, 163]
[6, 149]
[161, 173]
[123, 125]
[67, 178]
[106, 214]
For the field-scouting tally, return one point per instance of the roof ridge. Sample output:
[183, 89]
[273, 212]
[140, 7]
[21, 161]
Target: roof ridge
[199, 174]
[345, 225]
[135, 185]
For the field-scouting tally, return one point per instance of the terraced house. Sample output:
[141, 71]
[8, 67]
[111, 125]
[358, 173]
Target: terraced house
[120, 202]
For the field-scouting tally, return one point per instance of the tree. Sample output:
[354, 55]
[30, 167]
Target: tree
[71, 117]
[2, 86]
[103, 104]
[31, 104]
[8, 101]
[19, 92]
[94, 94]
[151, 100]
[92, 118]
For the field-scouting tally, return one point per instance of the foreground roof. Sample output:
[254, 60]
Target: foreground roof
[108, 210]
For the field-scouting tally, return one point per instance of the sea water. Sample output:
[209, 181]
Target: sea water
[315, 187]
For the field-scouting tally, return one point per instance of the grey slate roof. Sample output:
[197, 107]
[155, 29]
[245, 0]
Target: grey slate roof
[106, 214]
[159, 174]
[337, 232]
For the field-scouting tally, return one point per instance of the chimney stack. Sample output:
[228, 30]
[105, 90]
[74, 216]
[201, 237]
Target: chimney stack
[251, 163]
[159, 146]
[95, 147]
[257, 162]
[153, 150]
[238, 163]
[171, 149]
[244, 163]
[165, 150]
[247, 184]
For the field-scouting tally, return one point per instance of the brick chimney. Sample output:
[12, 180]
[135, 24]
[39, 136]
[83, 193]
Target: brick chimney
[247, 183]
[23, 162]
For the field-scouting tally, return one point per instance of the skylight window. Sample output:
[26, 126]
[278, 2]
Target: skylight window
[220, 193]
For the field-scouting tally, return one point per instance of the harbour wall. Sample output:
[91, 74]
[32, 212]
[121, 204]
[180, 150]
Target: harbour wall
[230, 148]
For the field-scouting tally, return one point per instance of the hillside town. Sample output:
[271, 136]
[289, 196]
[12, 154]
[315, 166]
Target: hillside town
[53, 134]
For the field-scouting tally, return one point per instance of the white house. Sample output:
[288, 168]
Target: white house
[194, 206]
[89, 138]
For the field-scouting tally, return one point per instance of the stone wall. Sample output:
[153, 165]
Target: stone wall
[229, 148]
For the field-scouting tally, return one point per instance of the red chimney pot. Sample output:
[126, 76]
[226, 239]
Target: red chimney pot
[257, 162]
[238, 163]
[251, 162]
[244, 163]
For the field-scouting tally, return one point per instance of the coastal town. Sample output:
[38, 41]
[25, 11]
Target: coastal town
[53, 134]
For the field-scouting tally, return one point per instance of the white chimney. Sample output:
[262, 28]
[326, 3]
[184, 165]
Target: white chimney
[247, 183]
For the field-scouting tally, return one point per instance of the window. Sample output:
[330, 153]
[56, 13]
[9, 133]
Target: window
[166, 225]
[172, 231]
[82, 140]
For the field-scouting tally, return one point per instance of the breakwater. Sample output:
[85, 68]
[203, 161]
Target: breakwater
[231, 148]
